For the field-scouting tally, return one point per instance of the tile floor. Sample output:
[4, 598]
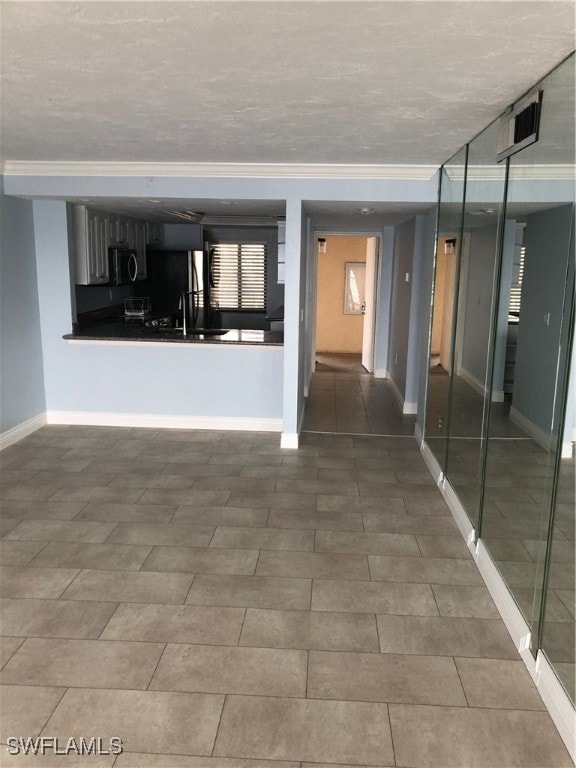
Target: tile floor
[217, 602]
[345, 398]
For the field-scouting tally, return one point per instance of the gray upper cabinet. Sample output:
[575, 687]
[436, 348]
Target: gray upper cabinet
[119, 230]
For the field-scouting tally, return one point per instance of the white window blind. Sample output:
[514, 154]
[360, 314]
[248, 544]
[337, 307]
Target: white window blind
[516, 287]
[239, 276]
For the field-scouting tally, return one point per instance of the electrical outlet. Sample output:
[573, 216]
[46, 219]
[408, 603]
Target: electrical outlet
[396, 359]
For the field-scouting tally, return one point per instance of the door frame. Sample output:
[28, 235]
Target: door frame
[312, 291]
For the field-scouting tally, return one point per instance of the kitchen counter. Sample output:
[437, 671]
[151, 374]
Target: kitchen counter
[117, 329]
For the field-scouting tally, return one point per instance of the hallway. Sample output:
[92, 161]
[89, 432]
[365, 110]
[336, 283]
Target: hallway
[218, 602]
[345, 398]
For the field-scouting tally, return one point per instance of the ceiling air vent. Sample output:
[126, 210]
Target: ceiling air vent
[519, 127]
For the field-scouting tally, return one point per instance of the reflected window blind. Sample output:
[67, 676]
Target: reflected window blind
[239, 276]
[516, 287]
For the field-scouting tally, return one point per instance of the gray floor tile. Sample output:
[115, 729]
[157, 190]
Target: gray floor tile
[202, 560]
[70, 479]
[443, 546]
[175, 624]
[184, 723]
[132, 587]
[41, 510]
[436, 507]
[138, 466]
[7, 524]
[52, 760]
[234, 516]
[139, 760]
[193, 497]
[367, 543]
[272, 500]
[464, 601]
[250, 592]
[35, 582]
[8, 647]
[19, 552]
[25, 709]
[60, 531]
[330, 503]
[444, 636]
[373, 597]
[332, 521]
[263, 538]
[377, 522]
[83, 663]
[54, 618]
[126, 513]
[118, 495]
[302, 729]
[113, 557]
[317, 486]
[26, 492]
[498, 684]
[424, 570]
[167, 534]
[384, 677]
[295, 473]
[253, 485]
[170, 482]
[309, 629]
[226, 669]
[450, 737]
[317, 565]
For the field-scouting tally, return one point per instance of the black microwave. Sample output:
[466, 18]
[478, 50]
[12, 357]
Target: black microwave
[122, 266]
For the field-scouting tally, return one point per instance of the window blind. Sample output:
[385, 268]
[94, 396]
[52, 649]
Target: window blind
[516, 287]
[239, 276]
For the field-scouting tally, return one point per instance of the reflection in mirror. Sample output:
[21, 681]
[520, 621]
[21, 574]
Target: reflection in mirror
[485, 189]
[537, 289]
[558, 631]
[446, 277]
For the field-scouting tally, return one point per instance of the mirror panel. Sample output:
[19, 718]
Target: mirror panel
[537, 292]
[446, 275]
[485, 193]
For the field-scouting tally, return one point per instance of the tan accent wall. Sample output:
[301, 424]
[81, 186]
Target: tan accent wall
[335, 331]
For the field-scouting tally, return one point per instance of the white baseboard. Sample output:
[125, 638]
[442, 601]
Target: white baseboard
[479, 386]
[557, 703]
[432, 463]
[289, 440]
[22, 430]
[380, 373]
[542, 438]
[160, 421]
[458, 513]
[418, 436]
[409, 409]
[567, 450]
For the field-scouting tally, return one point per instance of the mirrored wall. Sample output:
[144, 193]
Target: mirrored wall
[500, 411]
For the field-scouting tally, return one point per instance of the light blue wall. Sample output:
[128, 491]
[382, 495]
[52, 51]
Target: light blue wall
[21, 371]
[294, 347]
[400, 307]
[547, 241]
[162, 379]
[476, 318]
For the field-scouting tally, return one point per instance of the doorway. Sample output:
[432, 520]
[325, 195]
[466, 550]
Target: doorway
[346, 302]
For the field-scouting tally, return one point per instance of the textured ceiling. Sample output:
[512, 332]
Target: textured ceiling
[266, 82]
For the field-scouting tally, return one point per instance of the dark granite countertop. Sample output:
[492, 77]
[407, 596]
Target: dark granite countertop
[117, 329]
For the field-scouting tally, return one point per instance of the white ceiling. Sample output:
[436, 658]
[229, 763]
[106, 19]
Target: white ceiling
[267, 82]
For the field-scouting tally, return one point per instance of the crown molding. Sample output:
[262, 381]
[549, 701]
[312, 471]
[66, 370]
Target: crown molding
[543, 172]
[216, 170]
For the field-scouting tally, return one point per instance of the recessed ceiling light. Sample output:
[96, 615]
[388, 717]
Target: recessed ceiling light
[365, 211]
[228, 202]
[154, 201]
